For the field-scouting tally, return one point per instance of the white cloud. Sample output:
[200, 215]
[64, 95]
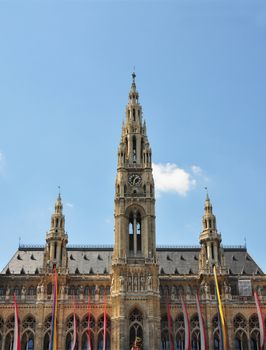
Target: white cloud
[169, 178]
[196, 169]
[70, 205]
[2, 161]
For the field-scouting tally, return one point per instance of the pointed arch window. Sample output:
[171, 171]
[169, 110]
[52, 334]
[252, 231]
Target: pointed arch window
[180, 332]
[195, 335]
[100, 339]
[138, 232]
[134, 149]
[240, 329]
[254, 332]
[135, 232]
[131, 232]
[27, 340]
[135, 326]
[70, 332]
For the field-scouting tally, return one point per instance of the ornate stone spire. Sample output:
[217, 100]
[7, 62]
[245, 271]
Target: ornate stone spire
[56, 239]
[134, 148]
[135, 233]
[210, 240]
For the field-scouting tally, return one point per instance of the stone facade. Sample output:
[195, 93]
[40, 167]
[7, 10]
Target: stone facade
[138, 280]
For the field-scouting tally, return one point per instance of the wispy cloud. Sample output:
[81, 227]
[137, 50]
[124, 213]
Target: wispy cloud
[170, 178]
[2, 161]
[70, 205]
[196, 170]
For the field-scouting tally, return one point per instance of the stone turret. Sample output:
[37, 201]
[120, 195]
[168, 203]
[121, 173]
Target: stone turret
[56, 240]
[210, 240]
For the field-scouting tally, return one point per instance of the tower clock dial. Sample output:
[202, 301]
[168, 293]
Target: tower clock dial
[134, 180]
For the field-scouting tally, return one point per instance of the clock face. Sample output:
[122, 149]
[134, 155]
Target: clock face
[134, 180]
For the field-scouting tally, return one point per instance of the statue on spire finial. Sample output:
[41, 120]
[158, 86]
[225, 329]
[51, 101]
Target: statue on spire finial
[207, 193]
[59, 191]
[133, 76]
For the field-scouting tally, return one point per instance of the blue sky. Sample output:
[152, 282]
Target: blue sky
[65, 73]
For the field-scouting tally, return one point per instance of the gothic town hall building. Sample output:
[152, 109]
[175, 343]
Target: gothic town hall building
[137, 277]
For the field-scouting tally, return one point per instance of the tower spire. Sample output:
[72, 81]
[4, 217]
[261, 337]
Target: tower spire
[56, 239]
[210, 239]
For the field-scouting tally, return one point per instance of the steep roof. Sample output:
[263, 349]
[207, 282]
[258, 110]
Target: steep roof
[98, 259]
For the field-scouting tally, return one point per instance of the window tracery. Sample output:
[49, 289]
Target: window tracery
[135, 326]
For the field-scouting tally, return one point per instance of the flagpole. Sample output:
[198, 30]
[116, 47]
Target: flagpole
[53, 340]
[220, 312]
[89, 321]
[104, 323]
[16, 342]
[261, 321]
[74, 330]
[203, 341]
[187, 325]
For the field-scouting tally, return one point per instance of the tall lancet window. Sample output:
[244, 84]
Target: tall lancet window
[134, 149]
[138, 232]
[134, 232]
[135, 326]
[126, 146]
[131, 232]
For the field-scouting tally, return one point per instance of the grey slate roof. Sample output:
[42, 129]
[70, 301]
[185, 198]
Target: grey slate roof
[97, 260]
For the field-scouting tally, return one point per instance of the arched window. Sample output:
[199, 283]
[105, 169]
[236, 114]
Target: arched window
[70, 331]
[180, 332]
[28, 329]
[100, 339]
[47, 332]
[84, 327]
[134, 143]
[240, 329]
[254, 332]
[138, 232]
[46, 341]
[195, 332]
[165, 341]
[215, 332]
[135, 326]
[9, 340]
[84, 341]
[131, 232]
[10, 325]
[27, 341]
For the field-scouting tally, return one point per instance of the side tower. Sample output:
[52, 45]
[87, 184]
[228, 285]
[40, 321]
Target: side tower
[55, 253]
[135, 282]
[210, 240]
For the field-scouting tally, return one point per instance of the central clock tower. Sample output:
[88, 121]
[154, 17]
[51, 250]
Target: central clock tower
[135, 282]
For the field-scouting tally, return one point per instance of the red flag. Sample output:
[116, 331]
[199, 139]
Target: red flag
[170, 326]
[104, 323]
[73, 347]
[187, 325]
[203, 343]
[261, 321]
[16, 343]
[89, 322]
